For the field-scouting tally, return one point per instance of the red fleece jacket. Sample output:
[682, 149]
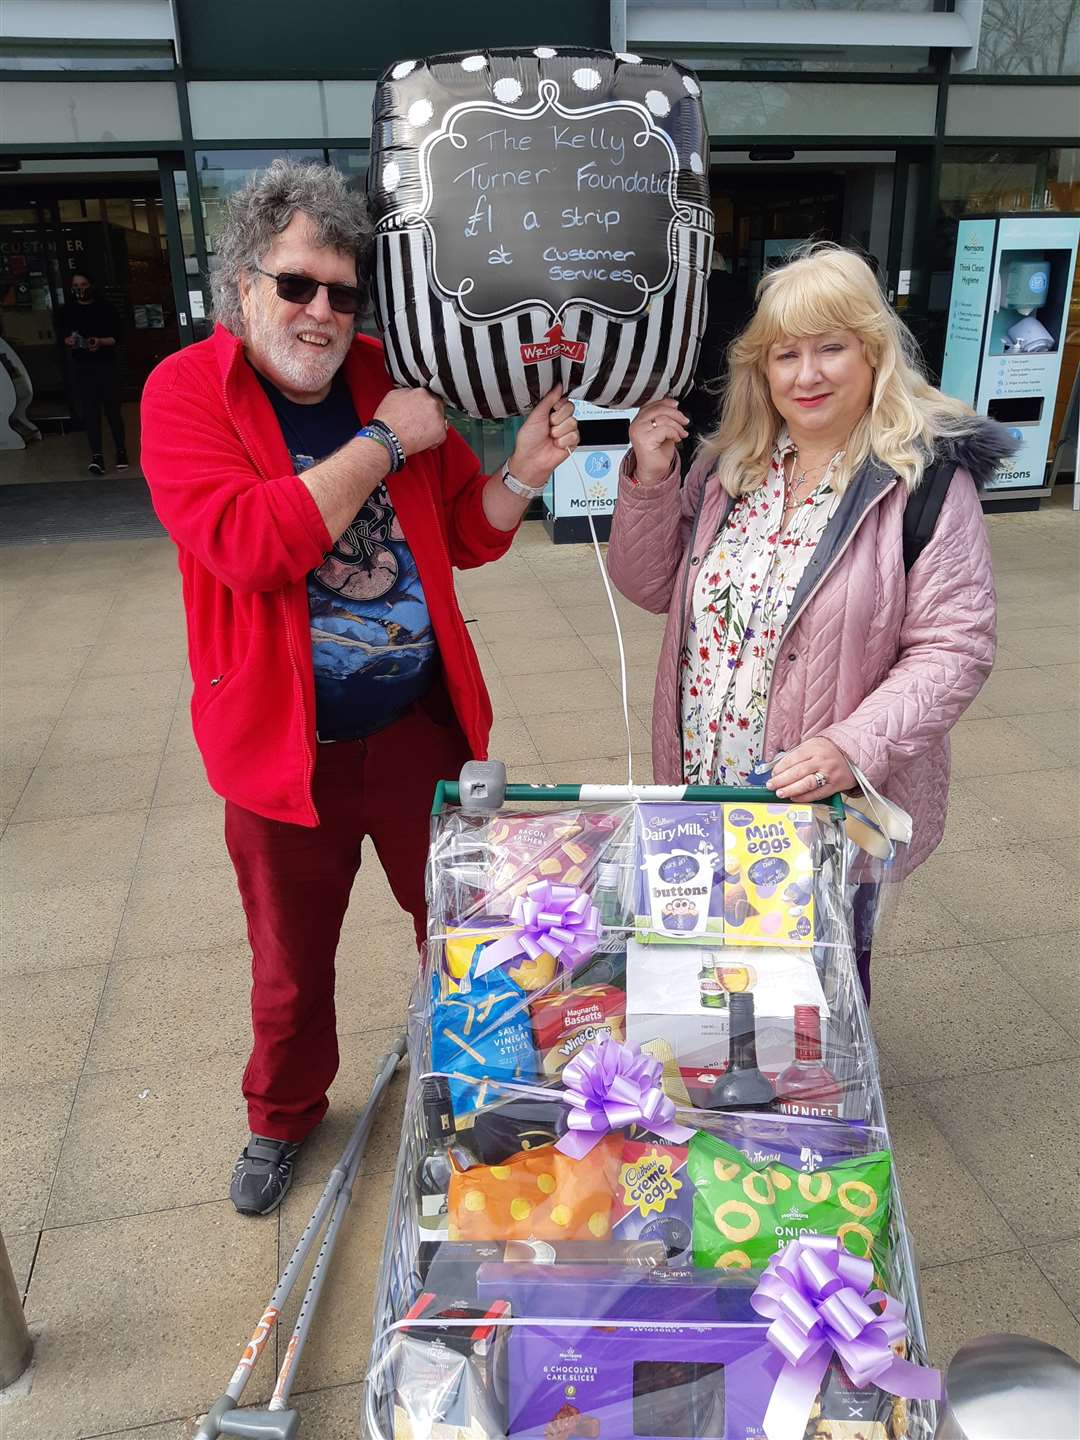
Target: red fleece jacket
[248, 533]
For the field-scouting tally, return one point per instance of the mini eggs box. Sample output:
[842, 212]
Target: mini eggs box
[768, 874]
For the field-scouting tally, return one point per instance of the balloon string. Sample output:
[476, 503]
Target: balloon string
[615, 618]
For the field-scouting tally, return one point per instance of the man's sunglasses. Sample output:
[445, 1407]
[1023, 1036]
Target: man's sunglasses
[301, 290]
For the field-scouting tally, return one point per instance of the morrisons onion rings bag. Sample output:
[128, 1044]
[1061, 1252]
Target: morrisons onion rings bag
[540, 216]
[745, 1213]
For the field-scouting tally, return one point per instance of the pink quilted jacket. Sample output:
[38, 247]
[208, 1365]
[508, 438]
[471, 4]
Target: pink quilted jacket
[881, 663]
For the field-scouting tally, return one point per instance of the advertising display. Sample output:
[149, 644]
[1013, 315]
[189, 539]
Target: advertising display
[588, 482]
[1011, 285]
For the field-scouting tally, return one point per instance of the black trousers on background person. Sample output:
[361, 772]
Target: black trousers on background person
[98, 389]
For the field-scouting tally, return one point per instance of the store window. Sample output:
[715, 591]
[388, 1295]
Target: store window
[747, 110]
[239, 109]
[84, 112]
[984, 180]
[1029, 37]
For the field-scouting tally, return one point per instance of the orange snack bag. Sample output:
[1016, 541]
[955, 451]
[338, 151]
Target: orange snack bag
[538, 1194]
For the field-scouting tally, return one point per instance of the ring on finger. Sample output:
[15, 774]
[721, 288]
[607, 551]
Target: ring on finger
[820, 779]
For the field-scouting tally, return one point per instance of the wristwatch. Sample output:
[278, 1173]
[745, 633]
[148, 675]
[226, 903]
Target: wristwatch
[517, 487]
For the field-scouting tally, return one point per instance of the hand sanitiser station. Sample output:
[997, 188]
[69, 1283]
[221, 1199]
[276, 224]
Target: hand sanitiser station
[1012, 279]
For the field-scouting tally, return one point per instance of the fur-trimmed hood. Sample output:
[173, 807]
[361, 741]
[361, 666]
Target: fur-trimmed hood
[980, 451]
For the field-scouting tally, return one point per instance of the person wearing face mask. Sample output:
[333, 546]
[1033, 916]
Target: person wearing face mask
[90, 329]
[318, 512]
[795, 635]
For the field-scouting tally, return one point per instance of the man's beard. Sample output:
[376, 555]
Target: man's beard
[304, 367]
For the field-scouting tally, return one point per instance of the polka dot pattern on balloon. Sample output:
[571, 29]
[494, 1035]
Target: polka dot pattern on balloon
[544, 52]
[474, 62]
[695, 164]
[626, 57]
[419, 113]
[391, 176]
[402, 68]
[507, 90]
[586, 79]
[657, 102]
[691, 86]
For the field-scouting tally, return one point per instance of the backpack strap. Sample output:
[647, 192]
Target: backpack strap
[923, 508]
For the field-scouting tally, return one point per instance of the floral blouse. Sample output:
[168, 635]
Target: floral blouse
[741, 600]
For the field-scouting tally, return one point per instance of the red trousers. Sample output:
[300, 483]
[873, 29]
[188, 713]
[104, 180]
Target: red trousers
[295, 884]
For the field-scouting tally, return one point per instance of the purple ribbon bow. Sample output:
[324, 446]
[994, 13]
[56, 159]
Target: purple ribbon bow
[609, 1085]
[557, 920]
[818, 1297]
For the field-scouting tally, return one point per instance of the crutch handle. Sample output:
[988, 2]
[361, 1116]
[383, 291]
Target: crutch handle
[261, 1424]
[210, 1428]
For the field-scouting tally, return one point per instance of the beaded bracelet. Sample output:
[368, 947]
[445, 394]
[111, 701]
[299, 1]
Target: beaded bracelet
[379, 431]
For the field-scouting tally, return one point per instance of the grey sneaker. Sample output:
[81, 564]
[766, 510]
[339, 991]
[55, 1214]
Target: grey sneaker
[262, 1175]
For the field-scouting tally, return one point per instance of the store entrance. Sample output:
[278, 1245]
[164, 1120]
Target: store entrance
[762, 213]
[109, 228]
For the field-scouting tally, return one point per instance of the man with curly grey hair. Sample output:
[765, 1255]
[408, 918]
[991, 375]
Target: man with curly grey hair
[318, 513]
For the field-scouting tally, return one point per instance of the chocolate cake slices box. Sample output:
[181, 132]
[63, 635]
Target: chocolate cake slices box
[665, 992]
[707, 1370]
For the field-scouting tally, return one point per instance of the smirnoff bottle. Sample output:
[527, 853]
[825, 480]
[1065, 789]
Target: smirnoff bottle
[743, 1085]
[807, 1087]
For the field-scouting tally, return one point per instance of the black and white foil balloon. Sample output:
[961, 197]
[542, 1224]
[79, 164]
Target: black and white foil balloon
[540, 215]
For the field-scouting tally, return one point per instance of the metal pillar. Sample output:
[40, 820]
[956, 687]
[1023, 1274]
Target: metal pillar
[15, 1343]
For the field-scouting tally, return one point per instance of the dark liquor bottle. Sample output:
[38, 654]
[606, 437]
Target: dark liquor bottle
[807, 1087]
[439, 1133]
[743, 1086]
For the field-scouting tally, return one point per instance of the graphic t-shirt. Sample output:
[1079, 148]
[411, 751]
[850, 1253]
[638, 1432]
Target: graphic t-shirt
[371, 639]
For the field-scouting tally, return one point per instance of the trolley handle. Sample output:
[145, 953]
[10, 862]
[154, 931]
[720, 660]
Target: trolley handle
[448, 792]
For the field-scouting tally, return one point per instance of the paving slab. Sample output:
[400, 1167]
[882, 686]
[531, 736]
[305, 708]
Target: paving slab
[85, 850]
[21, 1247]
[45, 1023]
[1010, 894]
[563, 740]
[143, 1137]
[59, 926]
[950, 1215]
[1047, 967]
[1034, 805]
[1011, 1129]
[184, 1006]
[33, 1123]
[142, 1319]
[961, 1031]
[997, 1293]
[182, 911]
[64, 792]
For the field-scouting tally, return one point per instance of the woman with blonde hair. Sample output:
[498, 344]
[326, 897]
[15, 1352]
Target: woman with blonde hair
[797, 635]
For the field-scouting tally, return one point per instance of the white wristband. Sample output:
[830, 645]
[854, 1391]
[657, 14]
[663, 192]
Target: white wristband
[517, 488]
